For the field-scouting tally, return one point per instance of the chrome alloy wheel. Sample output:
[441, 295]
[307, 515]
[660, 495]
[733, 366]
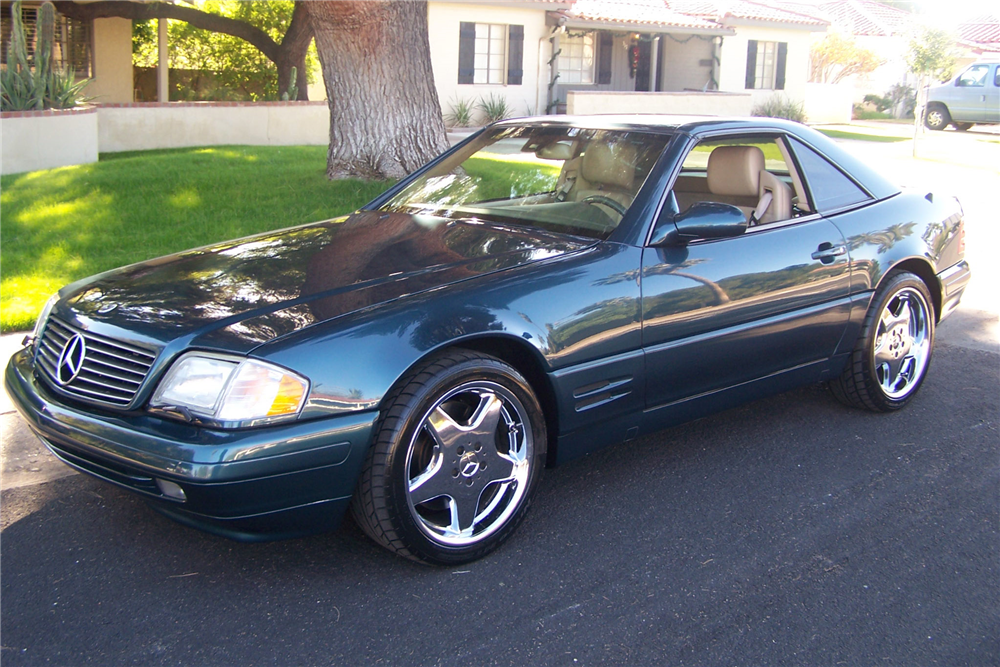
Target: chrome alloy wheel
[935, 118]
[902, 343]
[468, 463]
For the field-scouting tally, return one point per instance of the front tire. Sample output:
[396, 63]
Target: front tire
[458, 453]
[937, 117]
[893, 352]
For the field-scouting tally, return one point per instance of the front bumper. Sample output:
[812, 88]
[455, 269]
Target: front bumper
[261, 483]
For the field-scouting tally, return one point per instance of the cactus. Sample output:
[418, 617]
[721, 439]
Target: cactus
[23, 87]
[293, 91]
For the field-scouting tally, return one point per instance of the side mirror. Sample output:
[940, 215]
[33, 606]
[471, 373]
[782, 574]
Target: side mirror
[710, 220]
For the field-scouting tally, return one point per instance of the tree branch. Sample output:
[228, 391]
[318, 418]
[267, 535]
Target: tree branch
[143, 11]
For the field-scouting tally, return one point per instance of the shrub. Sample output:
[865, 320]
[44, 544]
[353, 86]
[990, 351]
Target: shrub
[461, 114]
[880, 103]
[779, 106]
[494, 107]
[901, 93]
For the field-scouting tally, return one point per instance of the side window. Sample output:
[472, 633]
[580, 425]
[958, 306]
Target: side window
[747, 172]
[974, 77]
[829, 187]
[996, 77]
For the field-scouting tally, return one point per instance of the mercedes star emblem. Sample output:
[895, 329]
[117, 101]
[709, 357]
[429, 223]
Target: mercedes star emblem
[71, 359]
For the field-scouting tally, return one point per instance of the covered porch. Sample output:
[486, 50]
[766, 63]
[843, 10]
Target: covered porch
[602, 48]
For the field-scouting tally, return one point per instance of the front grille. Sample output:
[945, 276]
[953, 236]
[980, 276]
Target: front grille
[111, 372]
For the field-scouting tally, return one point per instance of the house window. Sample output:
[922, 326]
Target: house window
[71, 46]
[576, 60]
[766, 65]
[490, 53]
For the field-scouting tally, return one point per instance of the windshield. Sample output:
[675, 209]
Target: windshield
[568, 180]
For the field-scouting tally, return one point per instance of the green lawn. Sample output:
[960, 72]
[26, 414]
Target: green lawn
[862, 136]
[64, 224]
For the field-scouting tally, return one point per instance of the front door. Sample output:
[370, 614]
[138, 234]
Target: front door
[721, 312]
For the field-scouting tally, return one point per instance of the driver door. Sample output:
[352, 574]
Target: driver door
[721, 312]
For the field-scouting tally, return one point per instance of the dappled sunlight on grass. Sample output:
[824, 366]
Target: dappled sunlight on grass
[64, 224]
[186, 198]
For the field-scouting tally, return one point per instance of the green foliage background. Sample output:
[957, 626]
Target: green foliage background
[240, 71]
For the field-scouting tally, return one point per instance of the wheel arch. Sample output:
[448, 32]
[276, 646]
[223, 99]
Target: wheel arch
[523, 357]
[923, 270]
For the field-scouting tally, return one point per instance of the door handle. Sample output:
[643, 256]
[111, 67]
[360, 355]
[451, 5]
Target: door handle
[827, 252]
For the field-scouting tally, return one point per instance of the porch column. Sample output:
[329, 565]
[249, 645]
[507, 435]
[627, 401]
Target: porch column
[163, 62]
[654, 61]
[552, 105]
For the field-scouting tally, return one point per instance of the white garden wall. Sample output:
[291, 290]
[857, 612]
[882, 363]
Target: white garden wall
[828, 103]
[687, 104]
[34, 140]
[136, 127]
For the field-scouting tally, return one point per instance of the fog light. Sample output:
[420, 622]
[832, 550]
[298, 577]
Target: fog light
[170, 490]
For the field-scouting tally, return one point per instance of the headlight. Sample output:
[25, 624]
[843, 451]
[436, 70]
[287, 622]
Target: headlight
[230, 393]
[44, 316]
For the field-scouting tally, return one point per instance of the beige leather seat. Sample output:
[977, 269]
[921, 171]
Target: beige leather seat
[736, 176]
[608, 171]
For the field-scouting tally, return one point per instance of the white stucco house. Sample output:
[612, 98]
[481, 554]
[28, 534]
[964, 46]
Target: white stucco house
[591, 56]
[714, 57]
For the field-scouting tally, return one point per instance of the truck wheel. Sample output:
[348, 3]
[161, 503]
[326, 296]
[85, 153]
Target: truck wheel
[937, 117]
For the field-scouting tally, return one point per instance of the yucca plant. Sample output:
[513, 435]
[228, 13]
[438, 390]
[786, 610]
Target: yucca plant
[461, 114]
[779, 106]
[494, 107]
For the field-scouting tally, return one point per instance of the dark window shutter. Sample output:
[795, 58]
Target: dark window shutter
[605, 45]
[467, 52]
[779, 68]
[515, 54]
[751, 63]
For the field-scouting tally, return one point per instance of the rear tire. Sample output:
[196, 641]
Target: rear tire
[892, 354]
[936, 117]
[458, 453]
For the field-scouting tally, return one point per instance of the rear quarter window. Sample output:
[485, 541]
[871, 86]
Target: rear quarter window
[829, 187]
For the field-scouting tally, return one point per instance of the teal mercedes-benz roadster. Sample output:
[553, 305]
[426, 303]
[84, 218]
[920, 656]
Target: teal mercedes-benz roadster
[548, 287]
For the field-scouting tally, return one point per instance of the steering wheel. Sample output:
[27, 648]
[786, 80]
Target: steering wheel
[605, 201]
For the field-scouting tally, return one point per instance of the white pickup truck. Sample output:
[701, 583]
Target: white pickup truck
[971, 98]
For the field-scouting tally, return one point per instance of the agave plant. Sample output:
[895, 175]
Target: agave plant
[26, 86]
[494, 107]
[461, 114]
[779, 106]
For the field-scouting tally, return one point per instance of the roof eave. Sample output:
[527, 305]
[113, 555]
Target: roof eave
[627, 26]
[767, 23]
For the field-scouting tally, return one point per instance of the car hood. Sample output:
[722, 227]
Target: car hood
[237, 295]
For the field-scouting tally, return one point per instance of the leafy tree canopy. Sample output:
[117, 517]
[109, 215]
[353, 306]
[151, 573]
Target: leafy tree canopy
[838, 56]
[239, 68]
[932, 53]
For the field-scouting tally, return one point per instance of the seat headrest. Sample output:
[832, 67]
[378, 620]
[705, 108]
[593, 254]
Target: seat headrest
[735, 170]
[557, 151]
[609, 165]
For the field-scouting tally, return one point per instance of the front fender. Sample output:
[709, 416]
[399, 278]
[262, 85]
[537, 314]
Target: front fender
[564, 311]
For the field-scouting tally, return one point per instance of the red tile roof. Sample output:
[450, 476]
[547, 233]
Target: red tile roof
[868, 18]
[759, 11]
[707, 14]
[636, 12]
[982, 31]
